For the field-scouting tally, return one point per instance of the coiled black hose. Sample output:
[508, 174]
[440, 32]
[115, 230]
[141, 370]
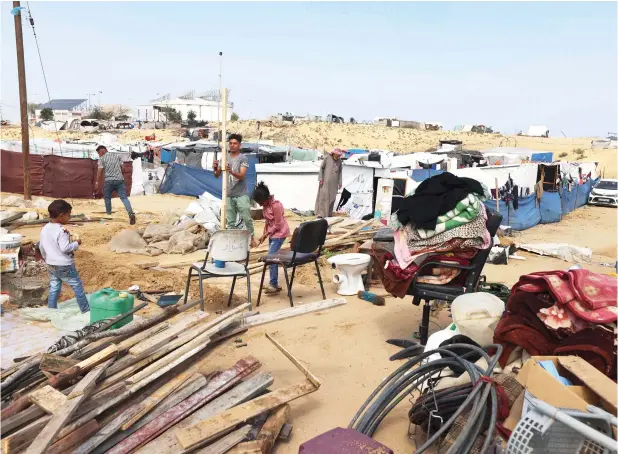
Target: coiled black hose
[408, 377]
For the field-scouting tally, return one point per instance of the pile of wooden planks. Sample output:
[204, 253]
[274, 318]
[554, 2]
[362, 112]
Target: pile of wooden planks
[142, 388]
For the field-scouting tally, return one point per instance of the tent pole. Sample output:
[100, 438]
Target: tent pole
[224, 162]
[497, 197]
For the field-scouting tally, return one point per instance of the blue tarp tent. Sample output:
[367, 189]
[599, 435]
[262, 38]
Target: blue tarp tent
[568, 199]
[183, 180]
[542, 157]
[168, 155]
[423, 174]
[550, 207]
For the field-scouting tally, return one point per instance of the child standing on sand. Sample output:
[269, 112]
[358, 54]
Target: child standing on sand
[276, 229]
[57, 250]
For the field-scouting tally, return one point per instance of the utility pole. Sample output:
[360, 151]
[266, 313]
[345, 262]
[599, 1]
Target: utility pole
[23, 101]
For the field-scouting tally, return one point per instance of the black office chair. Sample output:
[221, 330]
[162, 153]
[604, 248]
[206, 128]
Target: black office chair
[306, 247]
[447, 292]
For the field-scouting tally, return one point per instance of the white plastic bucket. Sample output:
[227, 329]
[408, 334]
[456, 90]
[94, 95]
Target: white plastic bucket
[10, 240]
[476, 316]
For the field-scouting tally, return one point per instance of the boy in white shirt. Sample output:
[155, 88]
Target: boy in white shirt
[57, 250]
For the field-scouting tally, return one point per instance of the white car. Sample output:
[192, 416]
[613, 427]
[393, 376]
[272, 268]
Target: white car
[604, 193]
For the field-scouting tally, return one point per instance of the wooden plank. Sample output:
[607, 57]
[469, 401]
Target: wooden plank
[160, 394]
[218, 385]
[57, 422]
[599, 383]
[55, 363]
[180, 355]
[226, 443]
[65, 444]
[152, 343]
[133, 340]
[63, 378]
[271, 428]
[312, 378]
[350, 233]
[18, 441]
[168, 443]
[295, 311]
[190, 387]
[48, 398]
[23, 417]
[212, 427]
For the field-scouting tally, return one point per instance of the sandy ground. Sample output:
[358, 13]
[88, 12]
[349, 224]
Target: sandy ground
[324, 136]
[345, 347]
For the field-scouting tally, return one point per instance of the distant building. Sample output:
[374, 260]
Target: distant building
[205, 109]
[65, 110]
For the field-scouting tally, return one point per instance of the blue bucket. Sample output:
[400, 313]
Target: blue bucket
[219, 264]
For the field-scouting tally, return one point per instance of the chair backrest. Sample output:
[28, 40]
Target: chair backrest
[472, 279]
[229, 245]
[310, 236]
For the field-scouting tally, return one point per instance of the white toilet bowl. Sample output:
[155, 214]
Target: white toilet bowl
[349, 272]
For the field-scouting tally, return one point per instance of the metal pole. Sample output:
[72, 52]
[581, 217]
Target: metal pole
[219, 97]
[224, 162]
[23, 102]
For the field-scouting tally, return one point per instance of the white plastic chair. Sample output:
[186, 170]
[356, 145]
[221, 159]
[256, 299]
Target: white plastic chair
[230, 246]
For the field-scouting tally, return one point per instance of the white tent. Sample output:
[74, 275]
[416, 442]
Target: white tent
[538, 131]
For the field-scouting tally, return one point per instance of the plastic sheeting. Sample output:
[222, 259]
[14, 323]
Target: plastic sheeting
[183, 180]
[583, 191]
[525, 216]
[422, 174]
[168, 155]
[568, 199]
[542, 157]
[67, 317]
[550, 207]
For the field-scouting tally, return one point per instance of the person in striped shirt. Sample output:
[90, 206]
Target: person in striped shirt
[110, 166]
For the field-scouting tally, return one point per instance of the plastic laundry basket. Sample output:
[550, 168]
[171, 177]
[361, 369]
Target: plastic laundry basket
[540, 432]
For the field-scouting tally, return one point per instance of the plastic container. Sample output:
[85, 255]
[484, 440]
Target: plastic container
[108, 303]
[10, 240]
[476, 316]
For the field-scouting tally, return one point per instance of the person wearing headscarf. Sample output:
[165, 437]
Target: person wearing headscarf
[330, 177]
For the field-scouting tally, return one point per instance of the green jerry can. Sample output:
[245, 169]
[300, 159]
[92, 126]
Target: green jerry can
[107, 303]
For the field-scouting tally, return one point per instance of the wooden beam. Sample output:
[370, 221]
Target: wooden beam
[212, 427]
[167, 441]
[65, 444]
[57, 422]
[63, 378]
[152, 343]
[268, 434]
[218, 385]
[190, 387]
[160, 394]
[55, 363]
[312, 378]
[295, 311]
[226, 443]
[48, 398]
[133, 340]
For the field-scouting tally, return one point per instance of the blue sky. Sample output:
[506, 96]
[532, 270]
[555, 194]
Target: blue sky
[508, 65]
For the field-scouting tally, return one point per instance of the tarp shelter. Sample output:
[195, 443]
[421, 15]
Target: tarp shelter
[168, 155]
[550, 207]
[183, 180]
[54, 176]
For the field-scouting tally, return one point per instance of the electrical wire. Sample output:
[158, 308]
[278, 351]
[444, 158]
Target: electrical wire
[409, 377]
[36, 40]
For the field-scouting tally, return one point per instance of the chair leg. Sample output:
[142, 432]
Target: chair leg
[424, 326]
[188, 284]
[199, 273]
[229, 301]
[287, 281]
[261, 285]
[292, 278]
[249, 290]
[317, 268]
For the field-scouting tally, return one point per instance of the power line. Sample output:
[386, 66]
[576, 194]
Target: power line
[36, 40]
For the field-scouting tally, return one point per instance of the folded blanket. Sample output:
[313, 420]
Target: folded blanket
[466, 210]
[474, 234]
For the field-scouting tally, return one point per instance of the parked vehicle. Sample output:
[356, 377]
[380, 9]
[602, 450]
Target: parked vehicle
[604, 193]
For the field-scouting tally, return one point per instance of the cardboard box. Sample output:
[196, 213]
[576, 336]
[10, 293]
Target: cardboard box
[590, 386]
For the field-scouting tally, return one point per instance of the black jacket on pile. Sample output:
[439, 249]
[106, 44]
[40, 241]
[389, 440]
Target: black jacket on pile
[434, 197]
